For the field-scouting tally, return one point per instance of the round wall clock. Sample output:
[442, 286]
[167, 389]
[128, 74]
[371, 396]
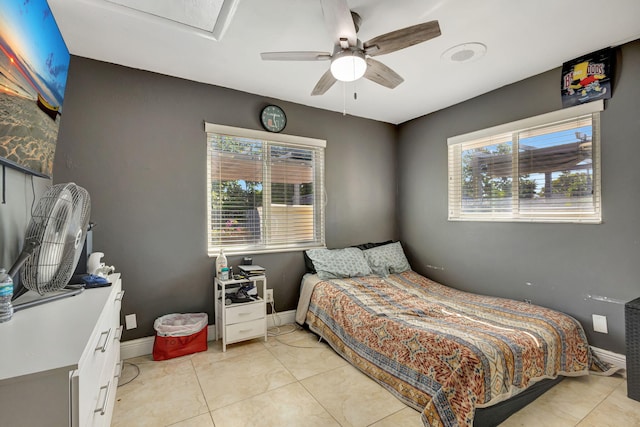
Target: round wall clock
[273, 118]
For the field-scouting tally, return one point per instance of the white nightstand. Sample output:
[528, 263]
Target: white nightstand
[240, 321]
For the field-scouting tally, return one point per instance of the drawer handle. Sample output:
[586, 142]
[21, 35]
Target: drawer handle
[120, 295]
[118, 333]
[120, 368]
[244, 331]
[103, 408]
[104, 346]
[243, 314]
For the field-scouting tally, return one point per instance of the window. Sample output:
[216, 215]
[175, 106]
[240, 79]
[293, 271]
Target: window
[265, 191]
[545, 169]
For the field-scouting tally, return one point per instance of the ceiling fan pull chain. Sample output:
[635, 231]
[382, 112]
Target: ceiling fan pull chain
[344, 99]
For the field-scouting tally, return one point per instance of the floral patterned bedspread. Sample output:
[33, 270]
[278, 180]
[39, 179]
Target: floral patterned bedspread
[444, 351]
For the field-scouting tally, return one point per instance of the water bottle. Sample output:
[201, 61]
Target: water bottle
[221, 262]
[6, 292]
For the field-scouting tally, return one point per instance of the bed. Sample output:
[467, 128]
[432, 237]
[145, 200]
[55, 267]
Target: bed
[444, 352]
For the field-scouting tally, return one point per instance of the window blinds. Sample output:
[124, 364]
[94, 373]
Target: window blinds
[264, 195]
[545, 169]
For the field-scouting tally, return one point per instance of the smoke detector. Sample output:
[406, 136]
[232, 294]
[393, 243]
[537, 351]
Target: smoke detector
[465, 52]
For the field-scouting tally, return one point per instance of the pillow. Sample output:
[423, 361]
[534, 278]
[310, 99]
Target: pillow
[308, 264]
[387, 259]
[337, 263]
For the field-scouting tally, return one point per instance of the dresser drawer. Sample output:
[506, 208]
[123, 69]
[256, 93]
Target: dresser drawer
[101, 414]
[245, 312]
[103, 345]
[101, 355]
[245, 330]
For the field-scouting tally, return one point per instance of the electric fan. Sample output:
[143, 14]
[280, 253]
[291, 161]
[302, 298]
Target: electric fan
[53, 243]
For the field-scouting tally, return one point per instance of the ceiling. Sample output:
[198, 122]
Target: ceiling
[523, 38]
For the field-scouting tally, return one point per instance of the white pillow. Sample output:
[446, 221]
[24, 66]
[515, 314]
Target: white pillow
[338, 263]
[387, 259]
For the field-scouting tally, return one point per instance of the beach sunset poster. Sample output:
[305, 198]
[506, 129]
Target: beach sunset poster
[34, 62]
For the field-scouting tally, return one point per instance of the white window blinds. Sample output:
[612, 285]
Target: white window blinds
[265, 191]
[546, 169]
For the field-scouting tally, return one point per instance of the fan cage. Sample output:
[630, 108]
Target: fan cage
[60, 224]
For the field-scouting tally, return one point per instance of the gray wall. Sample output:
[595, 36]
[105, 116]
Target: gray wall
[21, 190]
[135, 141]
[565, 263]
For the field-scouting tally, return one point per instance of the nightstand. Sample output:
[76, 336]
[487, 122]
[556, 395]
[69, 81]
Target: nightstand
[242, 321]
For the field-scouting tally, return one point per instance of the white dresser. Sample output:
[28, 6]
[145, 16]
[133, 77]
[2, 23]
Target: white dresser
[60, 361]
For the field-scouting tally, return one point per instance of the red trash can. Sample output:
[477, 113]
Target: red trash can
[179, 334]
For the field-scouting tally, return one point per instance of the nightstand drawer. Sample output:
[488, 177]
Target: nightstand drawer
[245, 313]
[245, 330]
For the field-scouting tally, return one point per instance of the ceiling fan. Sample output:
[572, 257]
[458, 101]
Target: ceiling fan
[351, 59]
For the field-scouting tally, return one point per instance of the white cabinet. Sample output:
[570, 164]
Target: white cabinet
[240, 321]
[60, 361]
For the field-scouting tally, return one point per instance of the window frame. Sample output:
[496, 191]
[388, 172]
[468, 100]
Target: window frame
[459, 143]
[270, 139]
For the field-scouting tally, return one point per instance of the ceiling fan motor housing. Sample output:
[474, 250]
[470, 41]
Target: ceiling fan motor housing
[348, 64]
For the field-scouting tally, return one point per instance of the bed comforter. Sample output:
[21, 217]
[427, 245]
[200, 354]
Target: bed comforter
[443, 351]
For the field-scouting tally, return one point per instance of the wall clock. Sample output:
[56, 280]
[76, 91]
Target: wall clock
[273, 118]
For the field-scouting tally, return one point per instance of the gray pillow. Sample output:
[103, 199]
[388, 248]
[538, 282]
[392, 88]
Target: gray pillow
[338, 263]
[387, 259]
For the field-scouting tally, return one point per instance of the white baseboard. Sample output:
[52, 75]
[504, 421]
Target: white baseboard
[135, 348]
[617, 360]
[144, 346]
[280, 319]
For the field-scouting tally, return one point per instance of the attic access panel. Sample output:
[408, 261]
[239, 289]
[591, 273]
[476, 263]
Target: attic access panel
[211, 16]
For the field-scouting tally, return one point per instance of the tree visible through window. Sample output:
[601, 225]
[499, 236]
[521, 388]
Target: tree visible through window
[264, 195]
[555, 166]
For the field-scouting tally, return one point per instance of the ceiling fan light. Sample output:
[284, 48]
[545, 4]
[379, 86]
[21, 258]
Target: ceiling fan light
[348, 65]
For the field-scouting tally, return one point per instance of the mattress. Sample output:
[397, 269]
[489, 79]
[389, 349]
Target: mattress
[442, 351]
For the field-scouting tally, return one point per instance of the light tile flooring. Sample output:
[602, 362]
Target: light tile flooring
[292, 380]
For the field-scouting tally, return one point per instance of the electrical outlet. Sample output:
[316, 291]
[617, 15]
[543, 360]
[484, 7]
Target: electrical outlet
[130, 321]
[269, 295]
[600, 323]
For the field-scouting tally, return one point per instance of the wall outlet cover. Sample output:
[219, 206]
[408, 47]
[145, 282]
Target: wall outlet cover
[269, 295]
[130, 321]
[600, 323]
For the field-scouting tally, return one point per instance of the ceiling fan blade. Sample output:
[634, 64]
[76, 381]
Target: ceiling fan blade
[324, 84]
[295, 56]
[379, 73]
[400, 39]
[338, 20]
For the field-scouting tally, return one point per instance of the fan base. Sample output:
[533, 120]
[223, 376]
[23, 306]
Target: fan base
[32, 299]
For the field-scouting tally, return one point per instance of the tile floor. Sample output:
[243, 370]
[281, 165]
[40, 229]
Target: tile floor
[292, 380]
